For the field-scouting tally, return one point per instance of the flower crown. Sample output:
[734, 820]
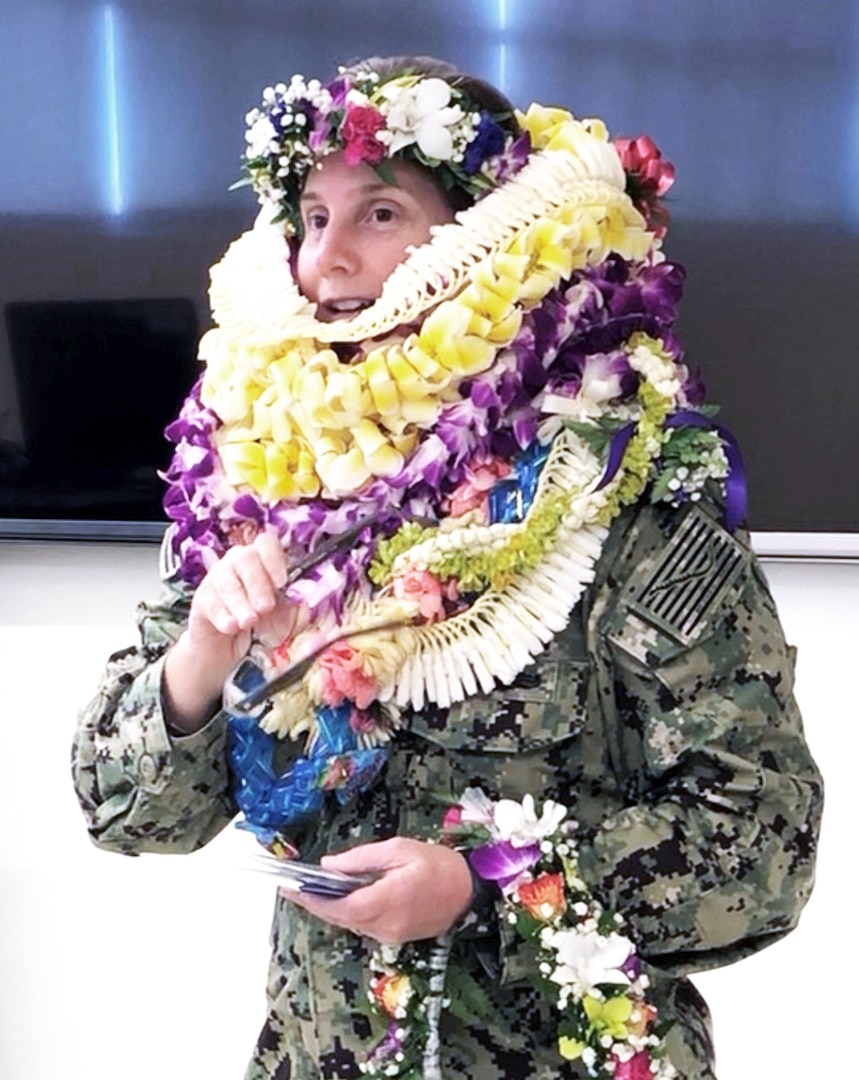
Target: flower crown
[418, 118]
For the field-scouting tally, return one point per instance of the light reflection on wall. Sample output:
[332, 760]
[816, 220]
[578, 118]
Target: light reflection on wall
[110, 106]
[754, 100]
[502, 46]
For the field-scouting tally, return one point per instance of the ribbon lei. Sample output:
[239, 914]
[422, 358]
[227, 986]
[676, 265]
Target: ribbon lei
[616, 450]
[735, 482]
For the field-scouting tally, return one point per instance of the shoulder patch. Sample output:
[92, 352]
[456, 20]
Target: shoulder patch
[691, 578]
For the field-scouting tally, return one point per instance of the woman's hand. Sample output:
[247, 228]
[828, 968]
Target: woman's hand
[425, 889]
[240, 596]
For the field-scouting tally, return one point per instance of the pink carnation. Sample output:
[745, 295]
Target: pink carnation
[358, 132]
[636, 1068]
[423, 588]
[343, 677]
[480, 478]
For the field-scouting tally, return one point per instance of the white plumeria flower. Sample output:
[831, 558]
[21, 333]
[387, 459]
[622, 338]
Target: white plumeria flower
[587, 959]
[518, 822]
[422, 114]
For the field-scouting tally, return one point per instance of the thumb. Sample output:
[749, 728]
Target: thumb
[381, 855]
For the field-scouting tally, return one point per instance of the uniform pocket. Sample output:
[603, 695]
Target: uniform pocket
[546, 703]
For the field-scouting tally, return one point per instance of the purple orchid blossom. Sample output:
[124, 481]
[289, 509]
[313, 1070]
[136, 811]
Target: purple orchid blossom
[388, 1046]
[503, 863]
[631, 967]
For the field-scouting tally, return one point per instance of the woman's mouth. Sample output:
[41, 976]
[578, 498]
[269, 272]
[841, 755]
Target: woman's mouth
[329, 310]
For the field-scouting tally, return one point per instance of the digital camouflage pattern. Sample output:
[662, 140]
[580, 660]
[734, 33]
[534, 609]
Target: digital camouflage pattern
[663, 716]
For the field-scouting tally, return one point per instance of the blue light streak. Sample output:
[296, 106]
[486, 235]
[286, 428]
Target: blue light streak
[111, 111]
[502, 45]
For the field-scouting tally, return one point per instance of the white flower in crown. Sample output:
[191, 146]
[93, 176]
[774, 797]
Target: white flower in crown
[518, 822]
[420, 114]
[260, 135]
[587, 958]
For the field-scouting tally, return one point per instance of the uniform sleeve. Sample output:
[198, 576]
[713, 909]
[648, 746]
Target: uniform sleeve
[141, 789]
[711, 854]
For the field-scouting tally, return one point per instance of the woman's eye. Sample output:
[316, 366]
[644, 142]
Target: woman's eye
[383, 214]
[315, 220]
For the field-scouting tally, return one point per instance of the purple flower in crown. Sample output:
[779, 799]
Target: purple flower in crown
[338, 89]
[488, 142]
[513, 158]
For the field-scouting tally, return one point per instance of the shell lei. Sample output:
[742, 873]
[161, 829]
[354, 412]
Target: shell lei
[302, 426]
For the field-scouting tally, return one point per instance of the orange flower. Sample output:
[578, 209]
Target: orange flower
[393, 992]
[544, 897]
[646, 1016]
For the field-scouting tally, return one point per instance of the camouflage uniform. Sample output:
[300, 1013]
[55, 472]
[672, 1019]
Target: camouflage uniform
[663, 716]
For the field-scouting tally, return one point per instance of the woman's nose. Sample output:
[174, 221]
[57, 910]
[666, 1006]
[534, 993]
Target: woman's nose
[338, 251]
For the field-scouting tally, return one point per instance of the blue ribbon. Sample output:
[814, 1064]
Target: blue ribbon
[511, 498]
[616, 450]
[335, 763]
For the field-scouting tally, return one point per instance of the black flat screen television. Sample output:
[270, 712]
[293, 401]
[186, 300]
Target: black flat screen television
[97, 382]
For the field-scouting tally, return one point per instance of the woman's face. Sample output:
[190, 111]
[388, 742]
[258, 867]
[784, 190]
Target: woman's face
[357, 229]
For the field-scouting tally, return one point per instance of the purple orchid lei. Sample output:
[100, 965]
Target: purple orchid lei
[574, 335]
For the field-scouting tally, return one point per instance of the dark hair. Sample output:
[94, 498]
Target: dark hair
[484, 95]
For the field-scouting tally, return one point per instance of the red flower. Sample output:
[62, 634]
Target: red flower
[544, 897]
[358, 132]
[480, 477]
[648, 178]
[636, 1068]
[280, 654]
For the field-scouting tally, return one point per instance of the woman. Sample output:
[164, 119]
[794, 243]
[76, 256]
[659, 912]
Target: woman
[452, 326]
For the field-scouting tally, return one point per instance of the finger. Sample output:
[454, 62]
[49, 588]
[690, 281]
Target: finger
[245, 587]
[282, 623]
[230, 596]
[338, 912]
[273, 558]
[380, 855]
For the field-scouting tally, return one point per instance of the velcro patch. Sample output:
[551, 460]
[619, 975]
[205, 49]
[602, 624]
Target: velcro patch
[689, 583]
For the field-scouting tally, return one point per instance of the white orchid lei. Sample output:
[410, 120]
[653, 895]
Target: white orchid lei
[512, 389]
[584, 965]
